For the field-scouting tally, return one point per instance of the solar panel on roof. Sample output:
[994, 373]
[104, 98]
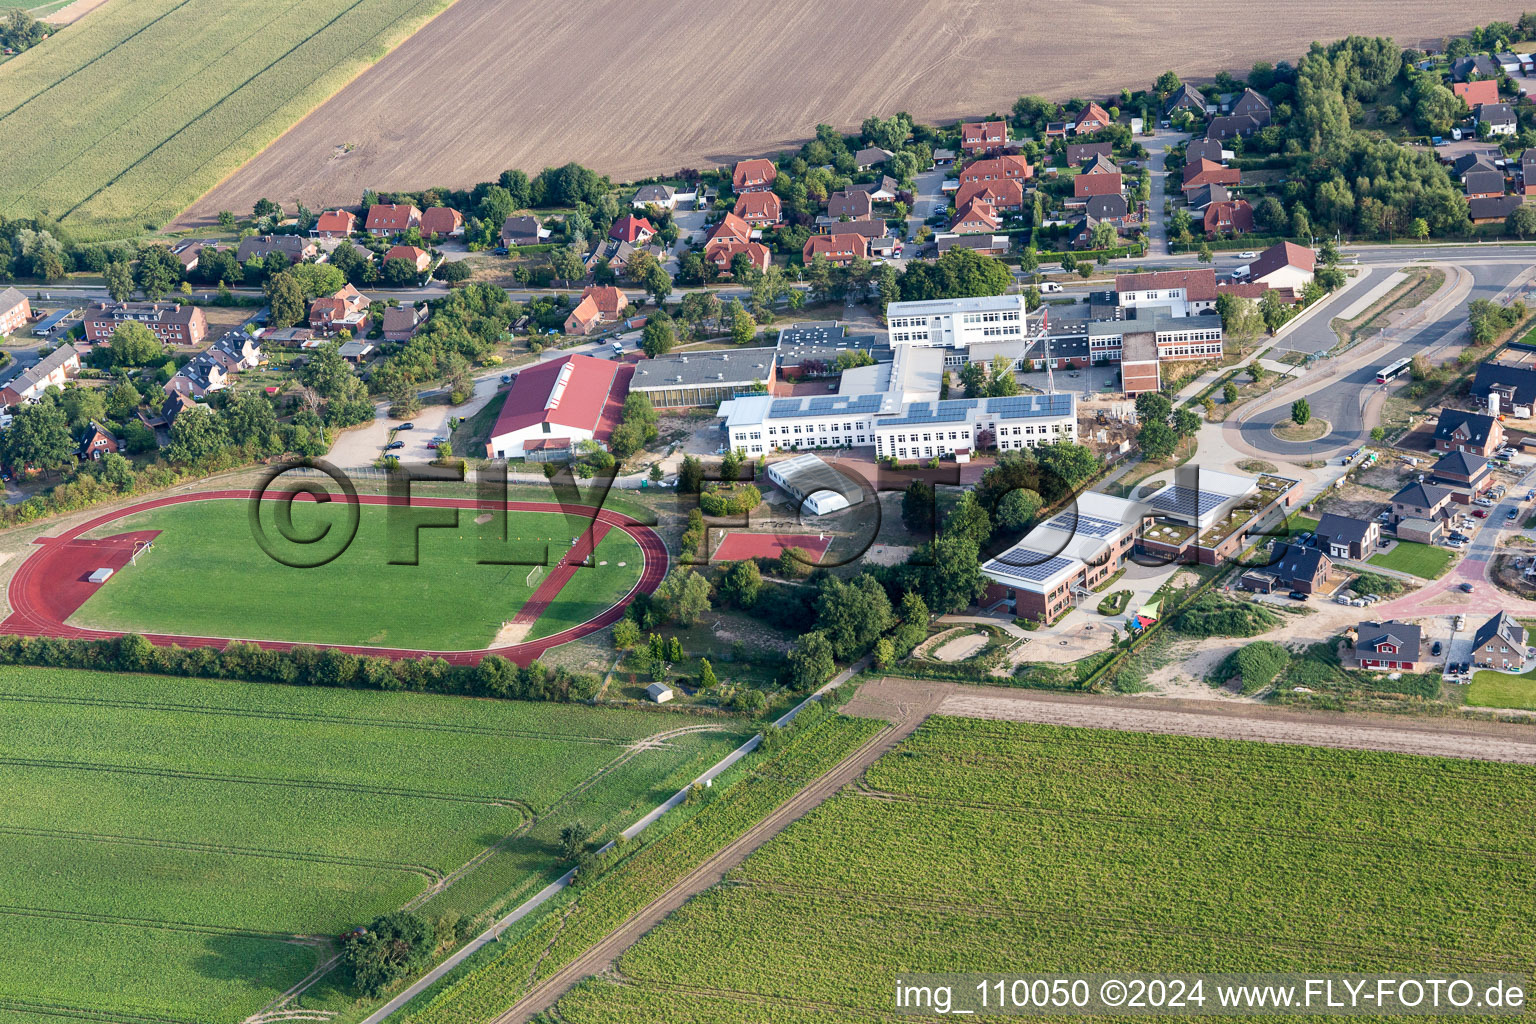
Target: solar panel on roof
[1186, 501]
[1089, 526]
[1036, 572]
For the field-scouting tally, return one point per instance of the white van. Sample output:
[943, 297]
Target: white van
[1049, 286]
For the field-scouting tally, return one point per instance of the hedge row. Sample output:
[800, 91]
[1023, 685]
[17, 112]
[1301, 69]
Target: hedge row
[495, 676]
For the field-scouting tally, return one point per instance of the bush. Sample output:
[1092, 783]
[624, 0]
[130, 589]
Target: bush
[1214, 615]
[733, 501]
[1254, 665]
[1375, 583]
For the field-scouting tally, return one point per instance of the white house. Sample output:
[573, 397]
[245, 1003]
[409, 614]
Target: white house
[1283, 265]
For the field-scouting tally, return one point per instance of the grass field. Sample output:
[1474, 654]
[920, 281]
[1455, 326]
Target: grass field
[977, 844]
[1421, 560]
[207, 577]
[125, 118]
[1491, 689]
[185, 849]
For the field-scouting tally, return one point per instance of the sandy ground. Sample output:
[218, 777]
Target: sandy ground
[74, 12]
[729, 79]
[961, 647]
[894, 698]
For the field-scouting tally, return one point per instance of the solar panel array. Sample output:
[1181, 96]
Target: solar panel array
[1029, 406]
[1037, 572]
[1081, 525]
[1186, 501]
[824, 405]
[954, 411]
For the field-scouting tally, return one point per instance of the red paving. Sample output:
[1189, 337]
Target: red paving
[739, 546]
[47, 587]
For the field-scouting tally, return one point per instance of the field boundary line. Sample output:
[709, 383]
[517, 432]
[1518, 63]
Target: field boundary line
[86, 1013]
[55, 914]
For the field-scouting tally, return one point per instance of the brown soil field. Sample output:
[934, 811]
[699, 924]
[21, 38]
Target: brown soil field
[635, 88]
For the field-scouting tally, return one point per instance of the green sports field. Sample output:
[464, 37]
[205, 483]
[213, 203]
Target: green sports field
[990, 846]
[184, 850]
[207, 576]
[167, 97]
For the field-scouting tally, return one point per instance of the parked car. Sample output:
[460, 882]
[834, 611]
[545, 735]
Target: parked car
[1467, 588]
[1247, 255]
[1461, 623]
[501, 250]
[1480, 513]
[1435, 649]
[1048, 287]
[1513, 513]
[1296, 595]
[1484, 502]
[406, 426]
[393, 445]
[506, 378]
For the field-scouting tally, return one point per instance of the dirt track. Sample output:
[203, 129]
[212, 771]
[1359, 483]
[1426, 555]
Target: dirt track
[650, 86]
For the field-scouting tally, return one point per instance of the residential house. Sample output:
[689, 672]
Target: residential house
[998, 168]
[756, 175]
[599, 304]
[96, 442]
[731, 230]
[871, 156]
[1080, 233]
[723, 254]
[402, 322]
[1421, 501]
[294, 248]
[984, 138]
[189, 252]
[886, 190]
[1207, 172]
[334, 224]
[1301, 569]
[1204, 149]
[1467, 475]
[199, 378]
[1499, 643]
[172, 323]
[1471, 432]
[1230, 126]
[1205, 195]
[1233, 217]
[584, 318]
[839, 248]
[50, 371]
[346, 310]
[849, 205]
[1113, 208]
[15, 311]
[1185, 97]
[1085, 185]
[1484, 90]
[1483, 182]
[632, 229]
[1093, 118]
[235, 351]
[1255, 105]
[1505, 388]
[1079, 153]
[1003, 194]
[975, 217]
[391, 218]
[1387, 646]
[418, 258]
[1499, 117]
[1283, 265]
[663, 197]
[1494, 210]
[1347, 537]
[441, 222]
[1528, 172]
[1467, 69]
[523, 229]
[760, 209]
[175, 403]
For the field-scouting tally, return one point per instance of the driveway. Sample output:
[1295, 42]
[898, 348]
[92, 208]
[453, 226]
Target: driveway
[1157, 161]
[927, 199]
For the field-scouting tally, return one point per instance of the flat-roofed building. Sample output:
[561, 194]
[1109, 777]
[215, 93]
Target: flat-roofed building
[683, 380]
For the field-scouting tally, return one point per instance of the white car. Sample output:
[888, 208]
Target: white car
[1049, 286]
[1247, 255]
[1484, 502]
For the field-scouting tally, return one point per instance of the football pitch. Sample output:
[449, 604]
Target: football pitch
[186, 850]
[207, 576]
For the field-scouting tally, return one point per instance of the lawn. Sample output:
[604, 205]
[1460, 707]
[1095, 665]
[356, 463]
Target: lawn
[208, 577]
[185, 849]
[145, 136]
[1491, 689]
[977, 843]
[1422, 560]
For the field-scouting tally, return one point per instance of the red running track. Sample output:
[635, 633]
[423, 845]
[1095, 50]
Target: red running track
[36, 610]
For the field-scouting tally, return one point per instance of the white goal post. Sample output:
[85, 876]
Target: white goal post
[535, 575]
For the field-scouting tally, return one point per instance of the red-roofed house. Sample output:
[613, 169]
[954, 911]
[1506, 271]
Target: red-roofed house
[975, 217]
[1485, 90]
[346, 310]
[632, 229]
[1232, 217]
[722, 254]
[731, 231]
[335, 224]
[419, 258]
[1208, 172]
[983, 138]
[996, 169]
[443, 221]
[760, 209]
[1085, 185]
[757, 175]
[391, 218]
[559, 401]
[841, 248]
[1003, 194]
[599, 304]
[1093, 118]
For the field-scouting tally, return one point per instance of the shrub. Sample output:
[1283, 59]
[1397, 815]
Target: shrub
[1254, 665]
[1214, 615]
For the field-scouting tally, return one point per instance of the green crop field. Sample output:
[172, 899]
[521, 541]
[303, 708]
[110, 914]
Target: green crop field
[207, 576]
[991, 846]
[1420, 560]
[186, 849]
[164, 98]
